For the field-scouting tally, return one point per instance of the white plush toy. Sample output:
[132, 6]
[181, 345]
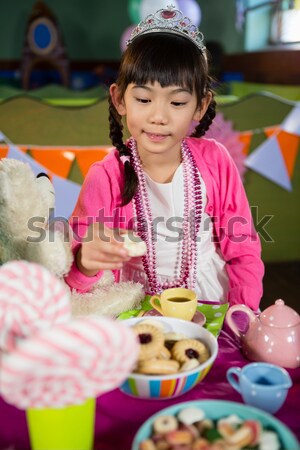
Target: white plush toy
[25, 205]
[25, 234]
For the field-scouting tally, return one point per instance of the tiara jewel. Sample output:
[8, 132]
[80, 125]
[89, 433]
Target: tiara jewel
[169, 20]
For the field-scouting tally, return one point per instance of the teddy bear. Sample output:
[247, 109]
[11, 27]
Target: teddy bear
[27, 233]
[25, 204]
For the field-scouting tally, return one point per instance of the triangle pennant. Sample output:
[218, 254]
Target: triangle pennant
[3, 150]
[267, 160]
[245, 138]
[16, 153]
[291, 123]
[289, 144]
[57, 161]
[2, 137]
[85, 158]
[271, 130]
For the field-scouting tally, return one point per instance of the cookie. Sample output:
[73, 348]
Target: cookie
[171, 338]
[155, 323]
[134, 245]
[190, 415]
[164, 354]
[165, 424]
[147, 444]
[187, 349]
[151, 341]
[158, 367]
[189, 365]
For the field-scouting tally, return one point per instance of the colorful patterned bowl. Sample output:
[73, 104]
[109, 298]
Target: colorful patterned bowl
[170, 386]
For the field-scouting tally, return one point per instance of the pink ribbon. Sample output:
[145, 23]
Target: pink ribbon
[124, 159]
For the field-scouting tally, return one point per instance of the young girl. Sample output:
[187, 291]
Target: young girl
[182, 195]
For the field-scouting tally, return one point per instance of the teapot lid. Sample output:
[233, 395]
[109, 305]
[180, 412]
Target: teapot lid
[280, 315]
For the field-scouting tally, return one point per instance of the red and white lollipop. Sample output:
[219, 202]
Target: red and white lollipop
[68, 363]
[31, 299]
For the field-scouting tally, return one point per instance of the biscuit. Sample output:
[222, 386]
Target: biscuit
[187, 349]
[158, 367]
[134, 245]
[165, 424]
[190, 415]
[189, 365]
[171, 338]
[155, 323]
[147, 444]
[151, 341]
[164, 354]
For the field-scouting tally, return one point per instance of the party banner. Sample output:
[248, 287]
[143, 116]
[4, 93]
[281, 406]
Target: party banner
[55, 159]
[274, 159]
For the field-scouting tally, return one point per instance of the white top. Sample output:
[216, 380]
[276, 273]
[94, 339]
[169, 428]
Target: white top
[167, 206]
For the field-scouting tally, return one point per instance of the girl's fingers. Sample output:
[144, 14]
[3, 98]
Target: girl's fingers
[111, 266]
[107, 255]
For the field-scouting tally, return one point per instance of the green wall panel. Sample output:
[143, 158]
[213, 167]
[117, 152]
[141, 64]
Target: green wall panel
[92, 29]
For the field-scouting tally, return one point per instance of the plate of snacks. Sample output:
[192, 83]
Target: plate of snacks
[175, 355]
[213, 425]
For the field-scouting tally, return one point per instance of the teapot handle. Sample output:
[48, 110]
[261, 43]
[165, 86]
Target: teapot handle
[231, 322]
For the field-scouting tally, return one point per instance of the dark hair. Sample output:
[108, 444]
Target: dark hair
[170, 60]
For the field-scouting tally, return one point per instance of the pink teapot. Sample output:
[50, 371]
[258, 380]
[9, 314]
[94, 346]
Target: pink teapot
[273, 336]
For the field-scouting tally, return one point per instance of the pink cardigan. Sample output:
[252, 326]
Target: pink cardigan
[227, 203]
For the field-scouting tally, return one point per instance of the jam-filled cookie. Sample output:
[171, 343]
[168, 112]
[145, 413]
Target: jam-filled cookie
[187, 349]
[158, 366]
[151, 341]
[165, 424]
[134, 244]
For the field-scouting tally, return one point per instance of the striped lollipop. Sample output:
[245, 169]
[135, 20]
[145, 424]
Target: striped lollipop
[68, 363]
[31, 299]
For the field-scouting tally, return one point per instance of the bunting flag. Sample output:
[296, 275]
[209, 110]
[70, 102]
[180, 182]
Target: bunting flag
[66, 191]
[16, 153]
[291, 123]
[86, 158]
[271, 130]
[3, 151]
[267, 160]
[58, 162]
[245, 139]
[289, 144]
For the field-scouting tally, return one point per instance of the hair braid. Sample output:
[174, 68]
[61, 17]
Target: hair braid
[116, 136]
[206, 120]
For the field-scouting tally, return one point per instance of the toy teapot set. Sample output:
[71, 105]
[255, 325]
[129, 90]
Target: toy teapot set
[273, 336]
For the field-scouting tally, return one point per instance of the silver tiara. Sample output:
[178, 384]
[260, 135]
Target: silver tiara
[169, 20]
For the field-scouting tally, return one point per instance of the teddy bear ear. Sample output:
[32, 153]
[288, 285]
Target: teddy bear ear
[46, 189]
[42, 174]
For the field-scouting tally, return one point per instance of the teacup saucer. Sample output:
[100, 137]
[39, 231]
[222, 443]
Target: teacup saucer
[198, 318]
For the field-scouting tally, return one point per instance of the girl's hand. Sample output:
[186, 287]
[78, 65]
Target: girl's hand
[101, 249]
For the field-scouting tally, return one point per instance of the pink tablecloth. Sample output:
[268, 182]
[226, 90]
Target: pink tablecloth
[118, 416]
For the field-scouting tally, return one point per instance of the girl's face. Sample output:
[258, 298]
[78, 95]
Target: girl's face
[158, 118]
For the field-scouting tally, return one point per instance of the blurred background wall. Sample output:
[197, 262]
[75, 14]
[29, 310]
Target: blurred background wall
[92, 29]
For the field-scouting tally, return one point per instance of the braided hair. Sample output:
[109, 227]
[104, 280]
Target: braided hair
[170, 60]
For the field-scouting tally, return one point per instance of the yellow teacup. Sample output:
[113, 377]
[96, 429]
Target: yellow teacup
[176, 302]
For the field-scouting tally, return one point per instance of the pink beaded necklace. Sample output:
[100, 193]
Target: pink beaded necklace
[191, 222]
